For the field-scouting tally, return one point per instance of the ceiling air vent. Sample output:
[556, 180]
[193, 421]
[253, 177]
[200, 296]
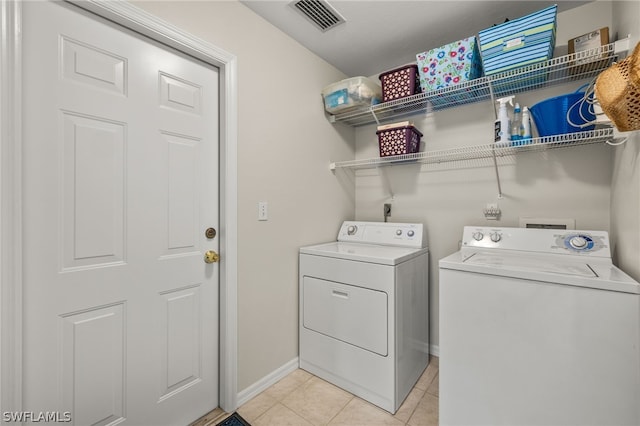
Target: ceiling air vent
[319, 12]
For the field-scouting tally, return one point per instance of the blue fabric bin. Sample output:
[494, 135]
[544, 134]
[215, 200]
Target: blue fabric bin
[524, 41]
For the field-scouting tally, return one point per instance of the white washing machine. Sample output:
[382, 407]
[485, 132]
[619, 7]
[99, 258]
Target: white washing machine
[364, 317]
[537, 327]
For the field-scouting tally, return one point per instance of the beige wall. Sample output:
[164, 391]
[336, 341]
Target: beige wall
[625, 185]
[565, 183]
[285, 145]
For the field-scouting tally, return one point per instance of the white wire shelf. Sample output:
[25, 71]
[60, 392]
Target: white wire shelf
[573, 67]
[483, 151]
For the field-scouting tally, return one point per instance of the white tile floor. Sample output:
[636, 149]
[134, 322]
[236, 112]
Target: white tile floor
[302, 399]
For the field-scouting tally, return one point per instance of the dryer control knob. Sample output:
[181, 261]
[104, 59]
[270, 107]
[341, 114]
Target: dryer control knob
[398, 232]
[410, 233]
[495, 237]
[352, 229]
[478, 236]
[578, 242]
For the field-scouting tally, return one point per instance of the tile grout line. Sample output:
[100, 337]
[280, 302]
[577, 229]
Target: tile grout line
[414, 409]
[342, 409]
[310, 420]
[281, 400]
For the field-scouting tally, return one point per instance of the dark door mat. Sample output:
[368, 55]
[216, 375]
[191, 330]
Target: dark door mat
[234, 420]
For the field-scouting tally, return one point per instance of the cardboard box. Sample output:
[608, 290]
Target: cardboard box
[591, 40]
[584, 43]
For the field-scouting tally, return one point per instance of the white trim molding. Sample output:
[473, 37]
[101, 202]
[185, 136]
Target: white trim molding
[10, 207]
[434, 350]
[133, 18]
[270, 379]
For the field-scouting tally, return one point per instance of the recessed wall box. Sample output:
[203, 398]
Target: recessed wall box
[547, 223]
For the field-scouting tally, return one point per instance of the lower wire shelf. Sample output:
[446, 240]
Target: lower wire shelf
[483, 151]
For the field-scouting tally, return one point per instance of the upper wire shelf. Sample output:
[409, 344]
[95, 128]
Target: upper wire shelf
[483, 151]
[572, 67]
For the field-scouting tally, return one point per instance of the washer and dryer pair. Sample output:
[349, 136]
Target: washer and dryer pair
[364, 316]
[537, 327]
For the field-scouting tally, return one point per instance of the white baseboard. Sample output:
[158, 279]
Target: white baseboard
[434, 350]
[272, 378]
[268, 380]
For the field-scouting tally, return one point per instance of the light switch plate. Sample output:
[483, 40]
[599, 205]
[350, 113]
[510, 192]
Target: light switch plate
[263, 212]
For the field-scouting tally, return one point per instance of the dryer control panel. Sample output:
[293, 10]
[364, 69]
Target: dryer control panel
[583, 243]
[384, 233]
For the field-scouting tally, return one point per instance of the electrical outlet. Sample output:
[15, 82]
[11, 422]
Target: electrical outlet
[263, 212]
[492, 212]
[386, 211]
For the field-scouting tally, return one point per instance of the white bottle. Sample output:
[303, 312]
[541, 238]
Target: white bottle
[525, 127]
[501, 126]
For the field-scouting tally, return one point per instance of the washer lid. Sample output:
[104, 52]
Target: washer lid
[554, 269]
[372, 253]
[531, 264]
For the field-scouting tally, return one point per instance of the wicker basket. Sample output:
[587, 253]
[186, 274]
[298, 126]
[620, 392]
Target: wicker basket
[618, 92]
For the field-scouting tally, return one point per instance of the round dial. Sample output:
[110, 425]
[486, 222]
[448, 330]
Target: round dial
[478, 236]
[495, 237]
[578, 242]
[352, 229]
[410, 233]
[398, 232]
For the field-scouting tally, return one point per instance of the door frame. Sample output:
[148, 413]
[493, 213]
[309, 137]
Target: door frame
[11, 103]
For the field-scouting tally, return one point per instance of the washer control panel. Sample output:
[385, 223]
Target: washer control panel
[385, 233]
[589, 243]
[581, 242]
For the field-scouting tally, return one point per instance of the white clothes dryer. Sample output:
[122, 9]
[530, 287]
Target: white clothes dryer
[364, 317]
[537, 327]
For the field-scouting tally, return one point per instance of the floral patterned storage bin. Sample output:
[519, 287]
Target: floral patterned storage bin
[450, 64]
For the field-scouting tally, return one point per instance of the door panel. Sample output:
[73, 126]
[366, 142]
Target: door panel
[94, 336]
[120, 184]
[93, 66]
[183, 189]
[93, 166]
[182, 344]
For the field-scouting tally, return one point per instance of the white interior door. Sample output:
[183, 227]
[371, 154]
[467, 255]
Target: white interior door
[120, 184]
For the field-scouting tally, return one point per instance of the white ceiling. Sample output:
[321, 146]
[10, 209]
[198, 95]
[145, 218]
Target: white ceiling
[382, 35]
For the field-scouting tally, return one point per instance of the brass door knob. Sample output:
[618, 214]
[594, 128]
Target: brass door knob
[211, 256]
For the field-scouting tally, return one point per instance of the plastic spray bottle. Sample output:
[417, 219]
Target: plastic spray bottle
[516, 123]
[525, 127]
[501, 126]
